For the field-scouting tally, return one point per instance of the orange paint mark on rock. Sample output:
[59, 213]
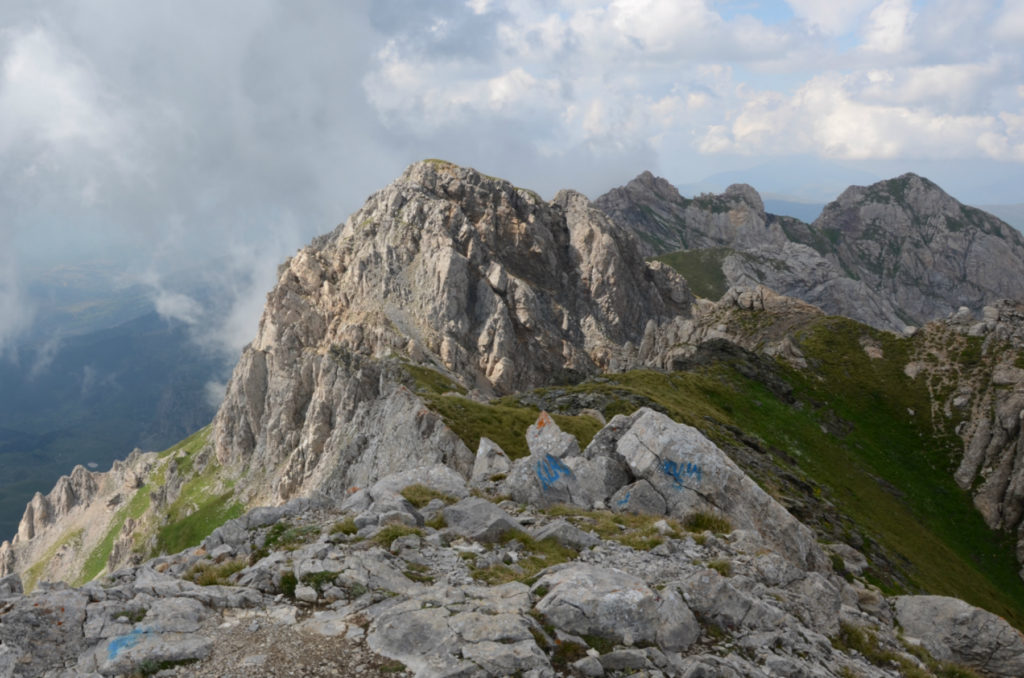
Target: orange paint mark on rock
[543, 420]
[353, 489]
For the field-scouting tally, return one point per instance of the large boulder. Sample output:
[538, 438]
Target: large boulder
[591, 600]
[692, 474]
[953, 630]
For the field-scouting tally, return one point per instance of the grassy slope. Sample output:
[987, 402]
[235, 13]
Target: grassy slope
[701, 268]
[849, 430]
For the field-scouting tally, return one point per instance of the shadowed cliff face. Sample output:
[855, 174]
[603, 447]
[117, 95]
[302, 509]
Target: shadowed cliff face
[449, 268]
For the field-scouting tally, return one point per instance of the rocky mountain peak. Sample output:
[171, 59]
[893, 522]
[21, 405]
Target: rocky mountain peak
[746, 194]
[922, 248]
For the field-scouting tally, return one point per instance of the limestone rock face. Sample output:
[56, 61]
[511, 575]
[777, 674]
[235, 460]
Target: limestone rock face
[446, 267]
[992, 466]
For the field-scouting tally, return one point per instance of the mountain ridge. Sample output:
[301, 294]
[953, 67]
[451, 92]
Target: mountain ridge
[453, 307]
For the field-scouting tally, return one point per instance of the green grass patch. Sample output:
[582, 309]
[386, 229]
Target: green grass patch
[429, 380]
[288, 583]
[702, 270]
[859, 429]
[204, 503]
[421, 495]
[503, 422]
[193, 528]
[419, 573]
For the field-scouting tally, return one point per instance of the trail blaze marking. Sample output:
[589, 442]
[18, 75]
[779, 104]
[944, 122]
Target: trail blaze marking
[551, 469]
[680, 471]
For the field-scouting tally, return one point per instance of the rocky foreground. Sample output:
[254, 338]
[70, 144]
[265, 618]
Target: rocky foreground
[648, 553]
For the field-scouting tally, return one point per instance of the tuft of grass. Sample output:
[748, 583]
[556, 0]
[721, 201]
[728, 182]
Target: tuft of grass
[721, 566]
[133, 615]
[602, 645]
[392, 666]
[710, 522]
[539, 554]
[389, 533]
[346, 526]
[420, 495]
[206, 573]
[283, 536]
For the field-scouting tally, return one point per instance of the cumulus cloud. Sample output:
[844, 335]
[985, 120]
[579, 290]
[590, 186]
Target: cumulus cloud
[825, 116]
[888, 27]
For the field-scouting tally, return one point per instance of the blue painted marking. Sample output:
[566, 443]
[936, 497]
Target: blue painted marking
[678, 471]
[551, 469]
[122, 643]
[625, 500]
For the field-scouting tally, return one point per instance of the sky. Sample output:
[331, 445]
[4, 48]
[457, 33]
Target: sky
[161, 136]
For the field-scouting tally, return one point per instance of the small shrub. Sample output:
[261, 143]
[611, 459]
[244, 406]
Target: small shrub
[288, 583]
[702, 521]
[437, 522]
[319, 580]
[564, 654]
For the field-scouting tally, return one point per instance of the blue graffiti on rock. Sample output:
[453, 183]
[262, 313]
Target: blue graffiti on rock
[679, 471]
[550, 469]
